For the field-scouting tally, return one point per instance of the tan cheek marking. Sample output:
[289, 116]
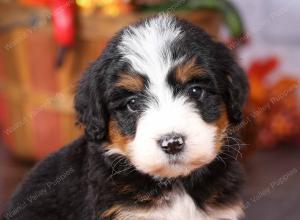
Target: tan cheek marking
[130, 82]
[113, 211]
[221, 124]
[188, 70]
[116, 138]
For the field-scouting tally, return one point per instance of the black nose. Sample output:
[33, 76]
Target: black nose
[172, 143]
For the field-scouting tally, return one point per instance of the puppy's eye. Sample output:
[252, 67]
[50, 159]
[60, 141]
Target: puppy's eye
[196, 92]
[132, 105]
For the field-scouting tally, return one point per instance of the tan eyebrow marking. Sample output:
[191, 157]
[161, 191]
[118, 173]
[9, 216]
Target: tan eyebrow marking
[130, 82]
[188, 70]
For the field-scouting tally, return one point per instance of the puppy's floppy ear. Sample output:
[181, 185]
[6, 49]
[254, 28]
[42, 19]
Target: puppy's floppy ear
[90, 104]
[235, 84]
[237, 92]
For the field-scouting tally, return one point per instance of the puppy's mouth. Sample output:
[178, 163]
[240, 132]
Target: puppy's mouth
[179, 161]
[176, 160]
[176, 166]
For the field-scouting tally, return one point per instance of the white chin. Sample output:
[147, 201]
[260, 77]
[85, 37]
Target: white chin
[171, 170]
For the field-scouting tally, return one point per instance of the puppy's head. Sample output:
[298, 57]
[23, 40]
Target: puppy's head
[162, 95]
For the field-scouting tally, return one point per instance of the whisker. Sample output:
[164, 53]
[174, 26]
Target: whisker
[120, 171]
[230, 156]
[221, 159]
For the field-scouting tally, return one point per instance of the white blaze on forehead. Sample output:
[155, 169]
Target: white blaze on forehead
[147, 46]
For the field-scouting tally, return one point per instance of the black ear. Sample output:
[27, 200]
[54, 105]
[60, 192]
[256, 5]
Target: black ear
[234, 83]
[237, 92]
[89, 102]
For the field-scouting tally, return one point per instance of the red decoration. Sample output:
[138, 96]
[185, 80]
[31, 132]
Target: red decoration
[272, 114]
[63, 14]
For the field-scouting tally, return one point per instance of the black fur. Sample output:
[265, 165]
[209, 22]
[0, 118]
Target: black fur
[89, 188]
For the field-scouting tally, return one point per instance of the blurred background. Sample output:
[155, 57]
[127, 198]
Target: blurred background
[45, 45]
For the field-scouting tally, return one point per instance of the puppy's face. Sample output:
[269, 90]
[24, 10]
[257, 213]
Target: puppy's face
[167, 123]
[166, 98]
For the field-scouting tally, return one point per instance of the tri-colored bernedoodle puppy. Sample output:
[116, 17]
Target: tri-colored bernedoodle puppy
[158, 107]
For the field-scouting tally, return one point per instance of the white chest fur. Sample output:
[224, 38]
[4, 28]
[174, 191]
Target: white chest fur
[181, 207]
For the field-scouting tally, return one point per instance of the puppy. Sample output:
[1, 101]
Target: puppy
[158, 108]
